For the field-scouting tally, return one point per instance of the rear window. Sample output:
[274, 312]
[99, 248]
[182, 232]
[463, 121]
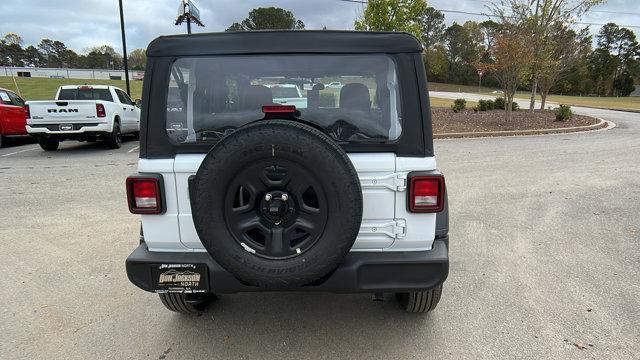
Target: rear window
[210, 97]
[85, 94]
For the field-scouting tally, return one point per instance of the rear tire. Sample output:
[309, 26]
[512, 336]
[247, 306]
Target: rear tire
[114, 139]
[49, 144]
[420, 301]
[187, 303]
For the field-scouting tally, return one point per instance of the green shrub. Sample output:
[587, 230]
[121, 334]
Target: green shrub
[501, 104]
[459, 104]
[563, 113]
[485, 105]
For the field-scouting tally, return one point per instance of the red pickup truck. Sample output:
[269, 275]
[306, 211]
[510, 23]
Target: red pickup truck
[13, 114]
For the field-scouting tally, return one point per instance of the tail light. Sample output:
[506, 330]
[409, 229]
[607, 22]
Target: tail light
[100, 110]
[144, 194]
[26, 108]
[280, 109]
[426, 193]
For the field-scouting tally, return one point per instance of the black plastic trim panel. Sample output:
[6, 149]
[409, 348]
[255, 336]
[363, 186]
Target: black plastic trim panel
[368, 272]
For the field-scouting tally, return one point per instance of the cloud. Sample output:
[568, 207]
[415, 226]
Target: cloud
[84, 23]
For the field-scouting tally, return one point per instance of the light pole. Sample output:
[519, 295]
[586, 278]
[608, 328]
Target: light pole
[188, 18]
[124, 49]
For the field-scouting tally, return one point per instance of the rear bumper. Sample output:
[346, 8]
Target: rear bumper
[78, 128]
[369, 272]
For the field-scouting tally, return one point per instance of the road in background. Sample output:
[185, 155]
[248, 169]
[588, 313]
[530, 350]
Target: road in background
[545, 247]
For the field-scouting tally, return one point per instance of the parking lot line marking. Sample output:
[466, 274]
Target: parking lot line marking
[18, 152]
[134, 149]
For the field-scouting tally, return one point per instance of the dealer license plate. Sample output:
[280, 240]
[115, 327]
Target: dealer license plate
[181, 278]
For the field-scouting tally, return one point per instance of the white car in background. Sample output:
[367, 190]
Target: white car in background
[334, 85]
[288, 94]
[84, 113]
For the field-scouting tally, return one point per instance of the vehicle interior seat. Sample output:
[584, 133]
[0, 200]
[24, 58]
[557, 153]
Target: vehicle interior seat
[355, 96]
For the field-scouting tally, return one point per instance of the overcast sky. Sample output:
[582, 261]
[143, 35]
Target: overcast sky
[85, 23]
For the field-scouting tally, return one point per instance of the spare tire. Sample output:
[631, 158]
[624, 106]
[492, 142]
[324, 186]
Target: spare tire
[277, 203]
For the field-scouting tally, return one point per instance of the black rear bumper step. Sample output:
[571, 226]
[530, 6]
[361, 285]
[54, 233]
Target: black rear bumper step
[360, 272]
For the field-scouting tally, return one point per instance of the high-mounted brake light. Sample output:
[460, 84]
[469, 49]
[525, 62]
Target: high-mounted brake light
[144, 194]
[270, 109]
[100, 112]
[85, 87]
[426, 193]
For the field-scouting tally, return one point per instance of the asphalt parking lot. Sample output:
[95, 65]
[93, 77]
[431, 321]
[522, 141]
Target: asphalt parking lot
[545, 254]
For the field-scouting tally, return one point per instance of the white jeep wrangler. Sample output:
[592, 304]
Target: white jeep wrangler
[239, 193]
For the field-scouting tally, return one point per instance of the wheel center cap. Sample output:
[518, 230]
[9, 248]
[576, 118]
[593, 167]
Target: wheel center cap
[277, 207]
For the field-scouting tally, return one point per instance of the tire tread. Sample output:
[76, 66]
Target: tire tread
[420, 301]
[177, 302]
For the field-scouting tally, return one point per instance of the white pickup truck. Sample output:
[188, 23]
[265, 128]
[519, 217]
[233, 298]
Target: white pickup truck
[84, 113]
[288, 94]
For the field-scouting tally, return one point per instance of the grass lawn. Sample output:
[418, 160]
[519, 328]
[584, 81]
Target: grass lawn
[446, 103]
[624, 103]
[433, 86]
[36, 88]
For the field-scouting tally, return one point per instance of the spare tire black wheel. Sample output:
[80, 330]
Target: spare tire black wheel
[277, 203]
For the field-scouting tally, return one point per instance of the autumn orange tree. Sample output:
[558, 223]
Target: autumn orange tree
[541, 17]
[511, 54]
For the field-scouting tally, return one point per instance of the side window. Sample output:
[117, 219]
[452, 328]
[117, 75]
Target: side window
[16, 100]
[121, 97]
[127, 98]
[4, 98]
[102, 94]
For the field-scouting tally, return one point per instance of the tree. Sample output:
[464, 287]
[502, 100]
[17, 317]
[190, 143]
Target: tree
[392, 15]
[511, 56]
[438, 63]
[607, 36]
[137, 59]
[103, 57]
[271, 18]
[563, 48]
[602, 66]
[615, 62]
[540, 16]
[623, 84]
[463, 44]
[47, 50]
[13, 38]
[432, 26]
[32, 57]
[11, 54]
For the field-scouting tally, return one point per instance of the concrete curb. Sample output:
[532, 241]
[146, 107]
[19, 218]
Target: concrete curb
[601, 125]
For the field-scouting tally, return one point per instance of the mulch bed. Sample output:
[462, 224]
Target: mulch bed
[446, 121]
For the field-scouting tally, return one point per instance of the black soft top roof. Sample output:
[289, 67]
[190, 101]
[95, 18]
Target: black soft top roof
[282, 42]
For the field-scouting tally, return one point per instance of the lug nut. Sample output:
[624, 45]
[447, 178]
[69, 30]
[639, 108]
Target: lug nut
[285, 197]
[268, 197]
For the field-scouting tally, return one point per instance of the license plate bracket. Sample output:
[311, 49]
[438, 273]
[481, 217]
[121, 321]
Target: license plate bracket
[65, 127]
[180, 278]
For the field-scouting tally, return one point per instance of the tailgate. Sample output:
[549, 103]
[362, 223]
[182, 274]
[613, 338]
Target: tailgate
[53, 111]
